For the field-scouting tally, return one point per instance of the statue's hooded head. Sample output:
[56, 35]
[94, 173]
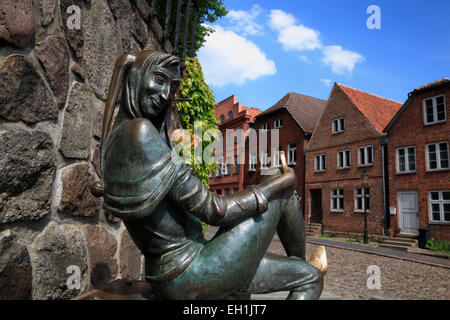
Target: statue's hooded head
[150, 84]
[147, 80]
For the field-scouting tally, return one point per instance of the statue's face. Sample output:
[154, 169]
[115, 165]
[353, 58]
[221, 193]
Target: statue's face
[155, 91]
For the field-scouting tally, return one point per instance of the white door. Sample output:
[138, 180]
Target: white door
[408, 212]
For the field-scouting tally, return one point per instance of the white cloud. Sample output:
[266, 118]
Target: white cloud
[297, 37]
[229, 58]
[341, 61]
[244, 21]
[280, 20]
[304, 59]
[291, 35]
[326, 82]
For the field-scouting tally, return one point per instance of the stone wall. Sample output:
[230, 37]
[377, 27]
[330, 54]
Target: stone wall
[53, 85]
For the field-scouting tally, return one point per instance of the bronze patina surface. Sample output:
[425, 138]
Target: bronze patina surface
[162, 203]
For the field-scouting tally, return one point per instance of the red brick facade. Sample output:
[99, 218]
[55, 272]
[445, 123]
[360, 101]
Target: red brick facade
[299, 115]
[231, 115]
[407, 129]
[354, 106]
[288, 134]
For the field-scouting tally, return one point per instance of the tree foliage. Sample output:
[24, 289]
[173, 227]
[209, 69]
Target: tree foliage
[209, 12]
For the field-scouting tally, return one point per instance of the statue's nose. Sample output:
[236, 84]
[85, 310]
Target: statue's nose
[165, 93]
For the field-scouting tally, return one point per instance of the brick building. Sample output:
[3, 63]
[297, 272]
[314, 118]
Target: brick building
[419, 161]
[231, 115]
[296, 117]
[347, 141]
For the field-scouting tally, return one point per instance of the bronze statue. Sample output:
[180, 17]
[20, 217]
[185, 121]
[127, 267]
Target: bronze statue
[162, 203]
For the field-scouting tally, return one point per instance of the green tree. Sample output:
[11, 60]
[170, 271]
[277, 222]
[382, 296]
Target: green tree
[209, 12]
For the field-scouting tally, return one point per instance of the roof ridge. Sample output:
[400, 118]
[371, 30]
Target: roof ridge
[305, 95]
[372, 94]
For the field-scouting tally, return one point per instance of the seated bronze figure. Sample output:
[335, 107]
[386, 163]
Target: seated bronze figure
[162, 203]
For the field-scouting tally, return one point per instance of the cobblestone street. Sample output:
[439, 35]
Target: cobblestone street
[347, 276]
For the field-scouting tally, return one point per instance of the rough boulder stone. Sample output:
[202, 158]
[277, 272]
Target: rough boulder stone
[143, 8]
[27, 166]
[25, 97]
[59, 263]
[130, 258]
[17, 22]
[98, 123]
[76, 131]
[15, 268]
[54, 56]
[47, 10]
[133, 29]
[77, 70]
[76, 198]
[96, 158]
[101, 47]
[74, 36]
[102, 247]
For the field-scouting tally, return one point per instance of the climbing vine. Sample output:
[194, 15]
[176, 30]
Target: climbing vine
[200, 110]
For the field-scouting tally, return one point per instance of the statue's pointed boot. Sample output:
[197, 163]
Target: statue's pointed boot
[319, 259]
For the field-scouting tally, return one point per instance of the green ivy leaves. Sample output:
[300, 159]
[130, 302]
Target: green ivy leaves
[201, 108]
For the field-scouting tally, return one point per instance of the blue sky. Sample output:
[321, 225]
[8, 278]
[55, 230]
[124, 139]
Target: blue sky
[264, 49]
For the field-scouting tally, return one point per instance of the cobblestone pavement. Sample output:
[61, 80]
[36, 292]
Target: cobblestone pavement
[347, 276]
[400, 279]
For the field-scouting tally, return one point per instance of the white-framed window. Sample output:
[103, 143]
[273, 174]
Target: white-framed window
[227, 168]
[434, 110]
[230, 136]
[344, 159]
[237, 166]
[337, 200]
[265, 127]
[277, 124]
[292, 153]
[238, 136]
[264, 160]
[406, 159]
[320, 162]
[219, 170]
[439, 206]
[276, 156]
[365, 156]
[252, 162]
[360, 204]
[437, 156]
[338, 125]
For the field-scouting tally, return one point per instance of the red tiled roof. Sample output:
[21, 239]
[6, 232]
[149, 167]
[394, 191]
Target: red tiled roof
[378, 110]
[433, 84]
[304, 109]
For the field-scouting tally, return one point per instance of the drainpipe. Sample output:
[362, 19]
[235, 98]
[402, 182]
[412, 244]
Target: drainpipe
[385, 182]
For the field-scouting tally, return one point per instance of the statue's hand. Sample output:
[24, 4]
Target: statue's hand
[286, 171]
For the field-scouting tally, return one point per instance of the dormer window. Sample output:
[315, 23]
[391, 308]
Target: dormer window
[277, 124]
[434, 110]
[339, 125]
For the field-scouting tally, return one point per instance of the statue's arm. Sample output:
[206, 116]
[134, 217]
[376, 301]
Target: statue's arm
[193, 196]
